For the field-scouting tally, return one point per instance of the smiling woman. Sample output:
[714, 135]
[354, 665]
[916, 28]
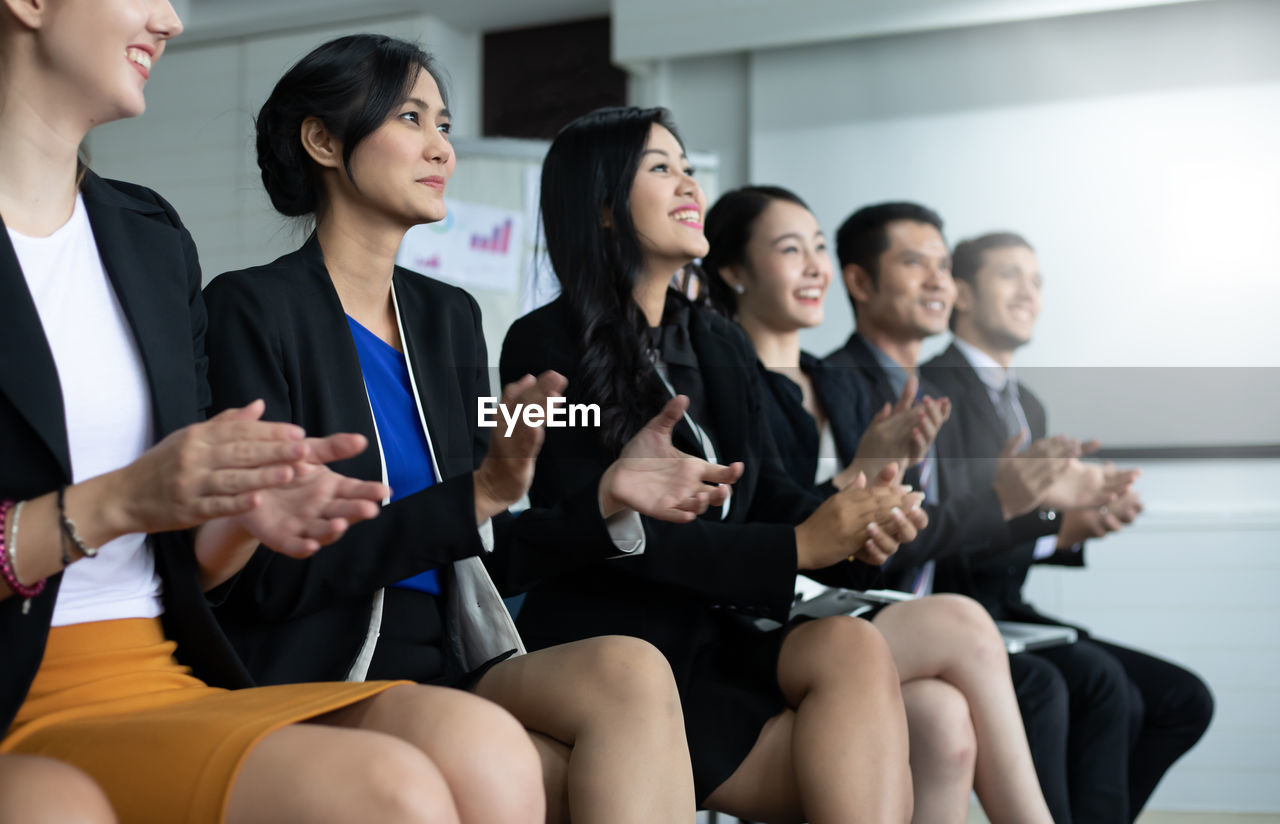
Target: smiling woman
[777, 722]
[118, 501]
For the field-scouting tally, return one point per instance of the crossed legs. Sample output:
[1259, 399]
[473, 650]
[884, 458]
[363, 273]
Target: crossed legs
[951, 640]
[605, 717]
[839, 752]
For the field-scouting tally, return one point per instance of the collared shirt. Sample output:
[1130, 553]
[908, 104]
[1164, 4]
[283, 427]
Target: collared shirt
[898, 380]
[995, 377]
[923, 584]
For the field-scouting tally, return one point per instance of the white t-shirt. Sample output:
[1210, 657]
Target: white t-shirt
[107, 405]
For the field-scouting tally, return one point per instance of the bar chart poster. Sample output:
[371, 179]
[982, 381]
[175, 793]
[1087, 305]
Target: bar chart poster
[475, 246]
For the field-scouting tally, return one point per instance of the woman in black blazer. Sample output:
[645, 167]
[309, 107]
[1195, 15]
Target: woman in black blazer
[308, 333]
[112, 484]
[768, 267]
[798, 722]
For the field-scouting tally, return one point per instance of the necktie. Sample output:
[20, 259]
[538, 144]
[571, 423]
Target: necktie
[1009, 412]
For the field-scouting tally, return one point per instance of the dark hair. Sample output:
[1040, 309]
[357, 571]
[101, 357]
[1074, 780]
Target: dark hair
[967, 257]
[864, 236]
[595, 252]
[351, 84]
[728, 226]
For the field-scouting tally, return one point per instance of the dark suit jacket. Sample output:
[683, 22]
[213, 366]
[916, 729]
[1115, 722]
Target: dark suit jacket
[153, 268]
[845, 402]
[694, 575]
[279, 332]
[973, 438]
[966, 520]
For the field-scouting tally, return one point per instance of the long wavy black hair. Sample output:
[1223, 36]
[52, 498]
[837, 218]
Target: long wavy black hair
[596, 254]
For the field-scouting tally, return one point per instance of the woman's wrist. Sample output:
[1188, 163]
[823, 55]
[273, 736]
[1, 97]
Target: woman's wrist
[101, 508]
[487, 503]
[609, 503]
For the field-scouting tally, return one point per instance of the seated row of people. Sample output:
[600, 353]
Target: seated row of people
[175, 629]
[1105, 722]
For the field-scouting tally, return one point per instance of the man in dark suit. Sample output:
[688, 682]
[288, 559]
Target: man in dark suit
[897, 269]
[1131, 715]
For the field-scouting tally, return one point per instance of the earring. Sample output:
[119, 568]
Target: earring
[740, 289]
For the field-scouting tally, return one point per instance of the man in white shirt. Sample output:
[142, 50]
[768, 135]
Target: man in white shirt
[1131, 715]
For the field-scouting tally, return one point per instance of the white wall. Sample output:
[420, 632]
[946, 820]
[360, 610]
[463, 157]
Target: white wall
[1194, 580]
[194, 145]
[1138, 150]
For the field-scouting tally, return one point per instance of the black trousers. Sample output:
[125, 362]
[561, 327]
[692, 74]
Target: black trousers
[1105, 723]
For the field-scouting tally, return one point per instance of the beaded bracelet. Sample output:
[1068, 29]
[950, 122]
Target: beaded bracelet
[9, 557]
[69, 529]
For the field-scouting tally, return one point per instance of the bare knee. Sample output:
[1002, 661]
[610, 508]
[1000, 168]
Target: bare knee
[467, 736]
[976, 632]
[839, 646]
[38, 790]
[941, 730]
[627, 673]
[403, 784]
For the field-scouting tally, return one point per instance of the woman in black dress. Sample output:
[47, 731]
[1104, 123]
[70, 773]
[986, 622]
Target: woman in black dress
[798, 723]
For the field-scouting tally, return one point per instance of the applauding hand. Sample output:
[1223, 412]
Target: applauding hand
[1089, 485]
[1023, 479]
[507, 470]
[901, 433]
[654, 478]
[317, 506]
[860, 522]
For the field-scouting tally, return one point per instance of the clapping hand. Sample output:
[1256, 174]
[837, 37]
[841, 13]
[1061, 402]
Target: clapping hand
[1089, 485]
[861, 522]
[901, 433]
[507, 470]
[318, 505]
[654, 478]
[1023, 479]
[1081, 524]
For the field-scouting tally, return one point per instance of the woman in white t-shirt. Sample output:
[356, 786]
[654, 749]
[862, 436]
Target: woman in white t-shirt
[119, 505]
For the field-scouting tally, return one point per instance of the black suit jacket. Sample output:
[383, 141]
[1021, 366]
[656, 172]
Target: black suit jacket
[152, 265]
[845, 402]
[968, 447]
[691, 576]
[966, 520]
[279, 332]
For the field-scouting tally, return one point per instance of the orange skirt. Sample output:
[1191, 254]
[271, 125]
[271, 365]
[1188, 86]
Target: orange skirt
[110, 698]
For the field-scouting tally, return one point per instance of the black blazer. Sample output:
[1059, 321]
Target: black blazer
[966, 519]
[153, 268]
[843, 399]
[974, 437]
[279, 332]
[691, 575]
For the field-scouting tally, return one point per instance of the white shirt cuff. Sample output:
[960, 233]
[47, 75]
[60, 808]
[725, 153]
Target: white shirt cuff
[627, 532]
[1046, 545]
[486, 534]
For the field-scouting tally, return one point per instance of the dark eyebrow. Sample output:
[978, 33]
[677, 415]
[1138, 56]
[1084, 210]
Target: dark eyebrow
[426, 107]
[817, 236]
[662, 152]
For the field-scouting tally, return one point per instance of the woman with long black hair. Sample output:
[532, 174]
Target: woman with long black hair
[803, 722]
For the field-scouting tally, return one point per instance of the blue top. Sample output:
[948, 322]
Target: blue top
[395, 414]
